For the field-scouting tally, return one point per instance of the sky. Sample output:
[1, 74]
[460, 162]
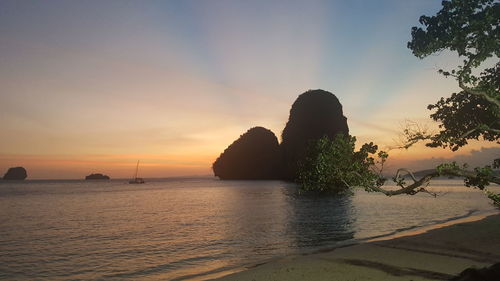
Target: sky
[94, 86]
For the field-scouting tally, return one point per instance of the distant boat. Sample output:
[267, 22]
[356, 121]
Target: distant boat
[136, 180]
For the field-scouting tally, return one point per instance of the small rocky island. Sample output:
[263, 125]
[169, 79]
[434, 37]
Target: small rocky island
[257, 154]
[97, 177]
[16, 173]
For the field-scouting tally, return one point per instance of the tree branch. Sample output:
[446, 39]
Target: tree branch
[425, 180]
[472, 91]
[398, 173]
[481, 127]
[414, 134]
[478, 93]
[467, 174]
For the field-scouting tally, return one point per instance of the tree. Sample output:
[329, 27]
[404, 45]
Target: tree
[471, 28]
[333, 166]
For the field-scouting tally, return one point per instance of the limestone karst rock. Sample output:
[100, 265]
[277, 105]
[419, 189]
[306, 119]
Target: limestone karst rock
[16, 173]
[314, 114]
[254, 155]
[257, 154]
[97, 177]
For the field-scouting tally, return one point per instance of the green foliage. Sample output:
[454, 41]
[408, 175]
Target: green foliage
[447, 168]
[480, 178]
[471, 28]
[496, 163]
[495, 197]
[464, 117]
[333, 166]
[468, 27]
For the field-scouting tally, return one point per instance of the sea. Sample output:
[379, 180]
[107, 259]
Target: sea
[197, 228]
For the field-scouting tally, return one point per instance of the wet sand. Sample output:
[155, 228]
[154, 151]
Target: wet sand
[437, 254]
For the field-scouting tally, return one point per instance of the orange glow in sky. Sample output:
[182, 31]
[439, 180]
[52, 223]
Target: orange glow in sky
[94, 88]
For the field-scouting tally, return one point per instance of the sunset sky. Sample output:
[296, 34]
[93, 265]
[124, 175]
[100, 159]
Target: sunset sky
[93, 86]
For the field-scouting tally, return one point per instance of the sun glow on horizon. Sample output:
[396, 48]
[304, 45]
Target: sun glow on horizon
[95, 86]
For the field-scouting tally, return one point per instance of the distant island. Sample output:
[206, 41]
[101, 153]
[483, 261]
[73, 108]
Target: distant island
[16, 173]
[422, 173]
[257, 154]
[97, 177]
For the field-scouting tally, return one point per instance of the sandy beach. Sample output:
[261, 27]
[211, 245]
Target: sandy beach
[437, 254]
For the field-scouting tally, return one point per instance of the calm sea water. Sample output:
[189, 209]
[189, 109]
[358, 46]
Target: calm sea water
[182, 229]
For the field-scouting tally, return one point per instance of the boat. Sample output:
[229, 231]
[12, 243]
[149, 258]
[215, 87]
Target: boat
[136, 180]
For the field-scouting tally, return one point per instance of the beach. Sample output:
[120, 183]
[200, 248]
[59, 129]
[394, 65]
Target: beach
[436, 254]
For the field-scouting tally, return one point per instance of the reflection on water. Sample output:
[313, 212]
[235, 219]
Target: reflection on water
[181, 229]
[317, 221]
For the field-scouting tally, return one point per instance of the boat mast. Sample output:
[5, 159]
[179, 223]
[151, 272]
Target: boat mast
[136, 169]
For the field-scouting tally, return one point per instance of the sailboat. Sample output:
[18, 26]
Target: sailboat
[136, 180]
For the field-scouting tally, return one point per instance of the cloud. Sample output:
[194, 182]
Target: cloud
[474, 158]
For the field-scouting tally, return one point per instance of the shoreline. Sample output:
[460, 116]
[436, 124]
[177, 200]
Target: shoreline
[442, 224]
[440, 251]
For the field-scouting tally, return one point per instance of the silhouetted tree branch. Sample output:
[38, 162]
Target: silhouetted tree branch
[333, 165]
[471, 28]
[479, 178]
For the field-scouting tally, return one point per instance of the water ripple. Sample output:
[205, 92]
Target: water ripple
[190, 228]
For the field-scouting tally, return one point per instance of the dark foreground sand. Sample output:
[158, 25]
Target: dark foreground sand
[438, 254]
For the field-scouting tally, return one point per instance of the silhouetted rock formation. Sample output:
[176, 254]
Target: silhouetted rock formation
[16, 173]
[255, 155]
[97, 177]
[314, 114]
